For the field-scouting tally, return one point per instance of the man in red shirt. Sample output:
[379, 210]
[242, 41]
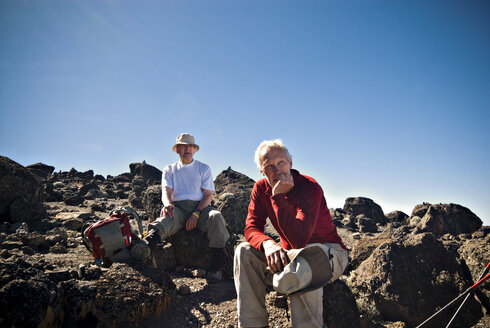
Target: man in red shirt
[297, 209]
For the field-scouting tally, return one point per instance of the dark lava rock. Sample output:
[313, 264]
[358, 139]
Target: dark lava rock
[396, 216]
[152, 201]
[361, 205]
[150, 174]
[408, 278]
[449, 218]
[232, 198]
[40, 170]
[20, 194]
[339, 306]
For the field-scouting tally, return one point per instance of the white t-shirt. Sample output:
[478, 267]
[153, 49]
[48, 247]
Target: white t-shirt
[187, 180]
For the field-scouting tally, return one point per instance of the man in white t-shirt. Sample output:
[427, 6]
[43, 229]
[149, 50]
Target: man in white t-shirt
[187, 191]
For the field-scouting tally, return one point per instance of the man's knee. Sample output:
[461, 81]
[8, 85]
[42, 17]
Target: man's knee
[243, 251]
[216, 217]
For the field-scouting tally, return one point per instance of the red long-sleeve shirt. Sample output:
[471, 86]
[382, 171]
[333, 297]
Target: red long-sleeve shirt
[300, 216]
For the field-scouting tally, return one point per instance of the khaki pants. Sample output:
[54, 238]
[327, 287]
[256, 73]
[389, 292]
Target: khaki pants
[252, 277]
[211, 221]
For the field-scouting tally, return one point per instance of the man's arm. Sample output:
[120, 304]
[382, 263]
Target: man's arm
[168, 207]
[207, 197]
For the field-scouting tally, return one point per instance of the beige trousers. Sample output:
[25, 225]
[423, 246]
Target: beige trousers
[252, 277]
[211, 221]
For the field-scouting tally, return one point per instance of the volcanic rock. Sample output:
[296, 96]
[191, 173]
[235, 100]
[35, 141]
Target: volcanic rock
[150, 174]
[396, 216]
[408, 278]
[20, 194]
[362, 205]
[449, 218]
[40, 170]
[232, 197]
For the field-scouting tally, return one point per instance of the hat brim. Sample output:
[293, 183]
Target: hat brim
[174, 148]
[318, 259]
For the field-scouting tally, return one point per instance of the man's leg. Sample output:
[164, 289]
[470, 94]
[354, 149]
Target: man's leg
[307, 309]
[250, 283]
[168, 226]
[213, 223]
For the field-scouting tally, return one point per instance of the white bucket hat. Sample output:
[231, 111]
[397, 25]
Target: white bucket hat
[184, 139]
[309, 269]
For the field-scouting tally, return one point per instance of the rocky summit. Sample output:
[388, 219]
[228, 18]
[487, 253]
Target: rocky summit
[403, 268]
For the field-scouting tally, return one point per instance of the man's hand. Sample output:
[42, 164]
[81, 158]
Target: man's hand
[284, 184]
[276, 256]
[167, 211]
[191, 222]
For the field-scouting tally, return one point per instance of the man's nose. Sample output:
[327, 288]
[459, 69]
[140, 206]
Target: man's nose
[275, 168]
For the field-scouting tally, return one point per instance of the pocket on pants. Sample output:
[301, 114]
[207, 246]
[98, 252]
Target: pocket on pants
[338, 260]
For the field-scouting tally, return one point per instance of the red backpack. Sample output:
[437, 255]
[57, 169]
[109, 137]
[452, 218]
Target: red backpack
[110, 239]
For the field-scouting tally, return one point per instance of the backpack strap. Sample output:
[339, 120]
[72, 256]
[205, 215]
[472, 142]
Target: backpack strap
[130, 212]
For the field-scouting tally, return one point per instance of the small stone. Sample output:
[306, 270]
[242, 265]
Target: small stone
[356, 235]
[27, 250]
[5, 253]
[184, 290]
[199, 273]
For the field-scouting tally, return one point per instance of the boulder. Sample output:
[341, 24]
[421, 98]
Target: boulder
[28, 298]
[476, 253]
[337, 216]
[232, 198]
[366, 224]
[339, 306]
[152, 201]
[363, 247]
[142, 294]
[449, 218]
[396, 216]
[420, 209]
[83, 176]
[191, 250]
[150, 174]
[20, 194]
[362, 205]
[410, 277]
[40, 170]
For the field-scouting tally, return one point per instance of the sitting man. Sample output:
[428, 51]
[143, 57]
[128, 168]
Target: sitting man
[187, 191]
[310, 253]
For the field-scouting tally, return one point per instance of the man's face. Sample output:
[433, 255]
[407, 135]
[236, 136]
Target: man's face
[275, 163]
[186, 153]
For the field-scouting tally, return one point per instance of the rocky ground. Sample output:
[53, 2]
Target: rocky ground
[403, 267]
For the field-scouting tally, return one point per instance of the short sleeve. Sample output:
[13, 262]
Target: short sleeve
[167, 178]
[207, 178]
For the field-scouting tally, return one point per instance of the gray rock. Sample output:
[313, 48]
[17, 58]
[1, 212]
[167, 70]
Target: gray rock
[20, 193]
[410, 276]
[449, 218]
[232, 198]
[150, 174]
[362, 205]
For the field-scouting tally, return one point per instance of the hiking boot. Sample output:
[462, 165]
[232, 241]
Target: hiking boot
[152, 239]
[214, 276]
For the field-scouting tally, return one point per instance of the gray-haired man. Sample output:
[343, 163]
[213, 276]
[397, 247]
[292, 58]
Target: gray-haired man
[310, 254]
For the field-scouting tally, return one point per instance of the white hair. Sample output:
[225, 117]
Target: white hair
[267, 145]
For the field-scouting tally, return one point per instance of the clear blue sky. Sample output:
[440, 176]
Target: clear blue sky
[383, 99]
